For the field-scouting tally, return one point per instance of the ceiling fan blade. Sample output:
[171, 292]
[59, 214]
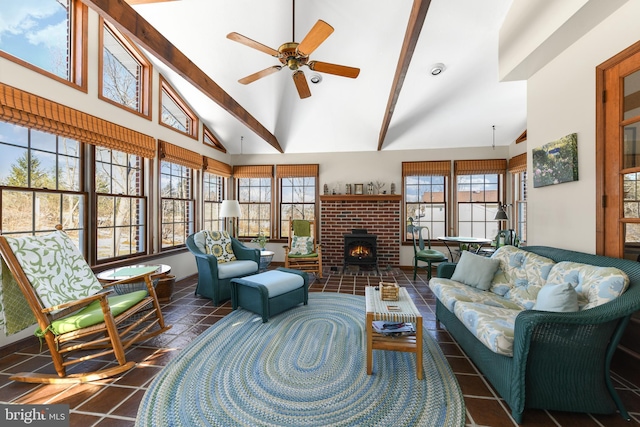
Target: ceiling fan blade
[338, 70]
[260, 74]
[318, 33]
[301, 84]
[252, 43]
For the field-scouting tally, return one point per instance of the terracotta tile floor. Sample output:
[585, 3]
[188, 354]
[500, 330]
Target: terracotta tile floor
[114, 402]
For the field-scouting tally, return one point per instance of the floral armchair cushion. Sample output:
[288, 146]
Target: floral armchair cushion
[216, 243]
[55, 268]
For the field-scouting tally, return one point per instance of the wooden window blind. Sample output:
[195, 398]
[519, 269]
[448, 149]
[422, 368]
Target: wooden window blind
[429, 168]
[26, 109]
[182, 156]
[518, 164]
[253, 171]
[477, 167]
[296, 171]
[216, 167]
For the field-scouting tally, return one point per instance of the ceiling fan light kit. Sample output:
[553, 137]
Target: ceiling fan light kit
[437, 69]
[294, 55]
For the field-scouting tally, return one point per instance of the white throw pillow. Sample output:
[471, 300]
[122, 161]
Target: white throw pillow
[475, 270]
[559, 297]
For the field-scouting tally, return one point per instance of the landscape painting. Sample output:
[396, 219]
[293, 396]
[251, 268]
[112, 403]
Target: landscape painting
[556, 162]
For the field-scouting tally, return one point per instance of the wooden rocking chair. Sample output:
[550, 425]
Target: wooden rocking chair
[303, 252]
[77, 317]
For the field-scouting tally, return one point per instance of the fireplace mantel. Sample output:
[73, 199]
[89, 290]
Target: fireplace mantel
[360, 197]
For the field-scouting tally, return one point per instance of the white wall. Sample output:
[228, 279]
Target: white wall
[561, 100]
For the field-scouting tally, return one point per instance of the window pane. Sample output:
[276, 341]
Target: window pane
[173, 115]
[17, 209]
[121, 73]
[38, 33]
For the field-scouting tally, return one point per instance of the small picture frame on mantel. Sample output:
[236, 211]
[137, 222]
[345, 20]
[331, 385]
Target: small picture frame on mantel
[358, 188]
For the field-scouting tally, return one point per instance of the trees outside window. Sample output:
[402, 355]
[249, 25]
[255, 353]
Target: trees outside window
[40, 183]
[177, 204]
[175, 113]
[254, 196]
[121, 205]
[212, 190]
[297, 201]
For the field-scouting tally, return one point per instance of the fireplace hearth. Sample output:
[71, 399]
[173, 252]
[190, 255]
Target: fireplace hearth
[360, 248]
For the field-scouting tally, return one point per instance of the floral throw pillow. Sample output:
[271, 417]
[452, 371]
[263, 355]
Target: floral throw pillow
[301, 245]
[218, 244]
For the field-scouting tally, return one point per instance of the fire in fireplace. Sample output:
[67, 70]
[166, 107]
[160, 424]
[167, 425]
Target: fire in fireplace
[360, 248]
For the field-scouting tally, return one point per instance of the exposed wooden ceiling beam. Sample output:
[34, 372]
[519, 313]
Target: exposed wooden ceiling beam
[127, 20]
[146, 1]
[416, 19]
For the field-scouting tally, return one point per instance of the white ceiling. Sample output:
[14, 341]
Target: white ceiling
[455, 109]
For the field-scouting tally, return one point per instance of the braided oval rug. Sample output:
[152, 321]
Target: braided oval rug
[305, 367]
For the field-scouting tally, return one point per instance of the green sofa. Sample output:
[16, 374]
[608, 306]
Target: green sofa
[560, 360]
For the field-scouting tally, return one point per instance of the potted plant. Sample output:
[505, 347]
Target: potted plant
[261, 240]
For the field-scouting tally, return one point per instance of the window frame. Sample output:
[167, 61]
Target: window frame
[190, 214]
[519, 197]
[208, 224]
[245, 206]
[77, 233]
[146, 72]
[79, 34]
[408, 236]
[215, 142]
[283, 219]
[490, 206]
[165, 87]
[141, 196]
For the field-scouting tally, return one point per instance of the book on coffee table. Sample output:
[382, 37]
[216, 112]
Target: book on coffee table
[385, 327]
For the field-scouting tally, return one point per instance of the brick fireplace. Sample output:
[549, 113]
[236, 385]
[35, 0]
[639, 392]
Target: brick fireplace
[378, 214]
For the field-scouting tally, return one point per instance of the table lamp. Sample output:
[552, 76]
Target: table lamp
[230, 209]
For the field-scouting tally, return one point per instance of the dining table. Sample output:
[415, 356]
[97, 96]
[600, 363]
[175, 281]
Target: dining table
[464, 243]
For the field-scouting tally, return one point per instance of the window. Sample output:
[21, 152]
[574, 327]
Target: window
[298, 189]
[47, 36]
[212, 190]
[125, 73]
[254, 195]
[210, 139]
[40, 183]
[120, 204]
[177, 204]
[425, 195]
[479, 191]
[175, 113]
[518, 217]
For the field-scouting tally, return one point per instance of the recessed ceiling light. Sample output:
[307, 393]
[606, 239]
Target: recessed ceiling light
[315, 78]
[437, 69]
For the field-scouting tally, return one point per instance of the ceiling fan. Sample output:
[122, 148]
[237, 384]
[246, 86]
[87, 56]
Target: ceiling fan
[294, 55]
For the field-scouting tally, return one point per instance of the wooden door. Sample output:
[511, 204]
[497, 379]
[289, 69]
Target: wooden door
[618, 156]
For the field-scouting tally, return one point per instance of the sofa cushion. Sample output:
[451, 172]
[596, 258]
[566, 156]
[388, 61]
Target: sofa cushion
[236, 268]
[475, 270]
[521, 275]
[216, 243]
[595, 285]
[449, 292]
[493, 326]
[559, 297]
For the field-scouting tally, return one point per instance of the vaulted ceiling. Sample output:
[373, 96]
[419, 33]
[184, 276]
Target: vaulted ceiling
[394, 104]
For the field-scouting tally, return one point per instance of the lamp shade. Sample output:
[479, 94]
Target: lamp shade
[501, 215]
[230, 209]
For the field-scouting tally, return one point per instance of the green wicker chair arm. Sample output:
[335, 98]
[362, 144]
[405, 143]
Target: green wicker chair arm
[446, 269]
[243, 252]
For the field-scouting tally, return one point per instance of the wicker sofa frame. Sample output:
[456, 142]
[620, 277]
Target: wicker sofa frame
[560, 361]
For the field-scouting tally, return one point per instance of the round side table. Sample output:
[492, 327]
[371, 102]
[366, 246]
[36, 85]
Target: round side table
[265, 260]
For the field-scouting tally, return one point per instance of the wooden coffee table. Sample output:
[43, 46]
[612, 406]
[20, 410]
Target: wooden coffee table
[403, 310]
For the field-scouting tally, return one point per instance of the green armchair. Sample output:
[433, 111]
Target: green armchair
[219, 263]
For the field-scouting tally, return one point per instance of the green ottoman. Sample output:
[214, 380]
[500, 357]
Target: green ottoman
[271, 292]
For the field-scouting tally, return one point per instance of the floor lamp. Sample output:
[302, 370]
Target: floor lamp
[230, 209]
